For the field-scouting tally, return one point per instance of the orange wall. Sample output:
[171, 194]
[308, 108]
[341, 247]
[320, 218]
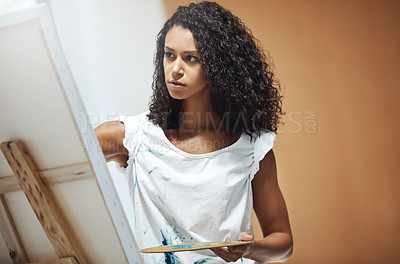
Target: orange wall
[338, 154]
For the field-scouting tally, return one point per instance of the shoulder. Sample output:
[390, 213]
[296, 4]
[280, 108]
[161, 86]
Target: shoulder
[110, 129]
[111, 134]
[261, 144]
[133, 123]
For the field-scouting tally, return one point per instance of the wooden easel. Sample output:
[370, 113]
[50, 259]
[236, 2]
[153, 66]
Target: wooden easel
[42, 203]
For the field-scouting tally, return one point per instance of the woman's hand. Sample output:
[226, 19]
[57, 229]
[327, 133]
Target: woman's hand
[233, 253]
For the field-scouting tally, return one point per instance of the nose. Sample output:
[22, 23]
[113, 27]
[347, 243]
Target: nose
[177, 68]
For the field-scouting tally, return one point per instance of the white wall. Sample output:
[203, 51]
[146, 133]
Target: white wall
[109, 46]
[8, 6]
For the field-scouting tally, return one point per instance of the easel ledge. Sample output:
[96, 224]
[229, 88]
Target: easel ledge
[51, 176]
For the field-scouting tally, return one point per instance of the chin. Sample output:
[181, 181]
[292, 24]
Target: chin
[176, 95]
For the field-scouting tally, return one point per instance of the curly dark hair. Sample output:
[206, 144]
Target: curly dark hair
[244, 91]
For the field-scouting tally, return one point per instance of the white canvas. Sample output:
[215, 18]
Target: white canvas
[41, 106]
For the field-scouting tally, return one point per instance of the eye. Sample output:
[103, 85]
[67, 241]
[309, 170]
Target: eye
[191, 58]
[168, 54]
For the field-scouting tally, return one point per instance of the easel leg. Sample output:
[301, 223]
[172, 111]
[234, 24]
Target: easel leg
[10, 235]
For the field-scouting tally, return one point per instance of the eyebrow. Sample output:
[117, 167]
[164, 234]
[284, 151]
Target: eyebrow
[188, 51]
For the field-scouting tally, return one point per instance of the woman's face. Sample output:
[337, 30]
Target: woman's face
[184, 75]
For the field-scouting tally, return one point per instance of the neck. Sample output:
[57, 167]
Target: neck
[198, 116]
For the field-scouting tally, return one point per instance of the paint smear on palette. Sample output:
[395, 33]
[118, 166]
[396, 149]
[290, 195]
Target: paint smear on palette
[192, 246]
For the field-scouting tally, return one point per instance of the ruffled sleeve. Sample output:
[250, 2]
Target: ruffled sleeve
[131, 141]
[262, 145]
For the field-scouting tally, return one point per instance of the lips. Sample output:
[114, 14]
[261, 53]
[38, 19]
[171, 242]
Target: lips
[176, 84]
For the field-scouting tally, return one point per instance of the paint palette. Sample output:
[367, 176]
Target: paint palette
[192, 246]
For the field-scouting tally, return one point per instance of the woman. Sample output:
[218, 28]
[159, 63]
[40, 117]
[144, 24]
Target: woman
[200, 160]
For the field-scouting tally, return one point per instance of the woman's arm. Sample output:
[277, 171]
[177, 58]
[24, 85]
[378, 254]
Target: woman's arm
[270, 208]
[111, 135]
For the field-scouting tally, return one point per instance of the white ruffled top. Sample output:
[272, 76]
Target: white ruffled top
[180, 197]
